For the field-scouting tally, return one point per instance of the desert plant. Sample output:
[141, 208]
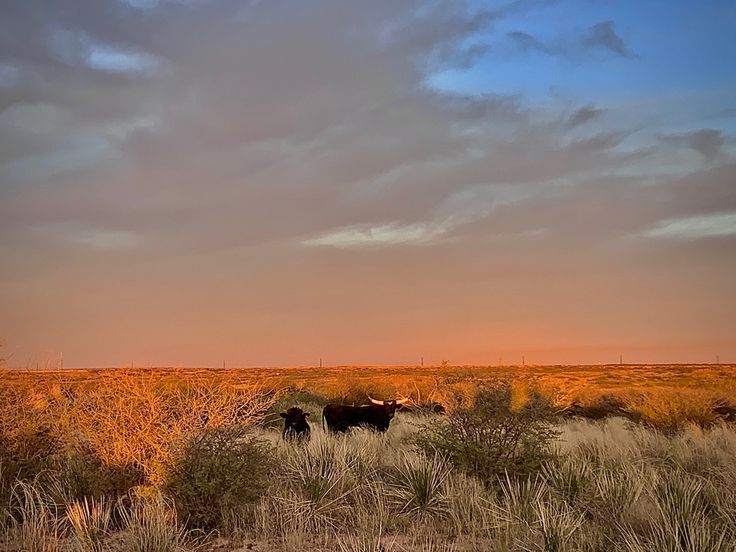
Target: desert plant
[151, 526]
[494, 437]
[687, 508]
[367, 541]
[521, 496]
[557, 525]
[569, 477]
[615, 492]
[35, 527]
[83, 475]
[132, 422]
[472, 508]
[217, 472]
[319, 478]
[90, 520]
[418, 486]
[27, 437]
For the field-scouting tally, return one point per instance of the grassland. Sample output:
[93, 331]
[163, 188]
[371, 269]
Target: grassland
[632, 458]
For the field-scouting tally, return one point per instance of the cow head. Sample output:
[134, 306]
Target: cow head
[295, 420]
[389, 406]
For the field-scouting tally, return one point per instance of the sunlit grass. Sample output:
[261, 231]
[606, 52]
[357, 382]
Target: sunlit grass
[658, 476]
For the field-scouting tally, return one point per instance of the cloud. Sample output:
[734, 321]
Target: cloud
[106, 58]
[420, 233]
[603, 35]
[297, 156]
[527, 43]
[583, 115]
[579, 45]
[707, 141]
[88, 237]
[692, 228]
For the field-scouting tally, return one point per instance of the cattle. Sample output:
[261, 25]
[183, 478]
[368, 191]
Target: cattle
[340, 418]
[296, 427]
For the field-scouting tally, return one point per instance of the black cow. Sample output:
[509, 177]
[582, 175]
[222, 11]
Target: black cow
[340, 418]
[296, 427]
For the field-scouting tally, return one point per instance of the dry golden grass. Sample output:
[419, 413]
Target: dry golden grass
[613, 485]
[659, 394]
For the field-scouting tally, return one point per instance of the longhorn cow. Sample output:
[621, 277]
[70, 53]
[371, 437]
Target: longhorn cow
[377, 415]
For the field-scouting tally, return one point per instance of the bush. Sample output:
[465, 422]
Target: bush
[671, 410]
[85, 475]
[27, 437]
[218, 472]
[495, 435]
[133, 421]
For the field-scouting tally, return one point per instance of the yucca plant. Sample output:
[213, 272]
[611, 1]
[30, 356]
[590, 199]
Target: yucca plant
[521, 496]
[557, 524]
[318, 483]
[569, 477]
[687, 509]
[616, 491]
[418, 486]
[702, 536]
[90, 520]
[472, 509]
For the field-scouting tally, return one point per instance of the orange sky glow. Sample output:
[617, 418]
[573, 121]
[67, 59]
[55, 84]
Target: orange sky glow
[271, 183]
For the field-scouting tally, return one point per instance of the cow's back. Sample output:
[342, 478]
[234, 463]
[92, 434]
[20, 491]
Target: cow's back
[341, 418]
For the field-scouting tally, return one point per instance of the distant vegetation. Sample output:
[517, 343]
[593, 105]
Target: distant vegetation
[181, 460]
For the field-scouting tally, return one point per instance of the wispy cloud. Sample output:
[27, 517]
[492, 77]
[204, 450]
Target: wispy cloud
[420, 233]
[583, 115]
[693, 228]
[707, 141]
[604, 35]
[599, 37]
[115, 60]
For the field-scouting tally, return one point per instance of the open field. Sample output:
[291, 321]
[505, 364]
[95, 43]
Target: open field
[170, 459]
[653, 393]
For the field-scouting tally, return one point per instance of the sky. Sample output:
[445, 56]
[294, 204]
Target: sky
[187, 182]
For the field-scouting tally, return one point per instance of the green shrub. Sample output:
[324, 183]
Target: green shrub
[496, 435]
[218, 472]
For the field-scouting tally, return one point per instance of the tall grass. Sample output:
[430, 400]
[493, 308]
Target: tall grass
[35, 526]
[90, 520]
[151, 526]
[599, 486]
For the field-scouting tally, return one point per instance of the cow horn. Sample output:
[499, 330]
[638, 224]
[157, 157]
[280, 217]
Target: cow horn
[403, 401]
[374, 401]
